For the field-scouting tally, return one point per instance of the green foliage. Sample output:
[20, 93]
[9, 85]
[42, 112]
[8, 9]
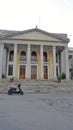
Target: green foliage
[11, 78]
[63, 76]
[59, 77]
[3, 76]
[71, 76]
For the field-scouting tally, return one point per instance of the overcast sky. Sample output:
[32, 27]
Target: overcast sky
[49, 15]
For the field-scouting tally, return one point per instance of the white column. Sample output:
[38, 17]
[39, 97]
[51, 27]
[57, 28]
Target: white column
[1, 58]
[15, 59]
[4, 62]
[54, 62]
[67, 62]
[28, 67]
[58, 64]
[41, 61]
[62, 63]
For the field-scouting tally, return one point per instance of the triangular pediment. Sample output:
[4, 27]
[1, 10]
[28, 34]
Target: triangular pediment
[37, 34]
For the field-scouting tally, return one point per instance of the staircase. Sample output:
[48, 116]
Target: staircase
[38, 86]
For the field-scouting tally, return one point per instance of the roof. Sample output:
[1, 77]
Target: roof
[6, 33]
[11, 33]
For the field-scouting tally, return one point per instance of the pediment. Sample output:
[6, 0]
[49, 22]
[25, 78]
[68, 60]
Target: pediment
[35, 35]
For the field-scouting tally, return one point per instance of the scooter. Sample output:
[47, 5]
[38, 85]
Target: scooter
[13, 90]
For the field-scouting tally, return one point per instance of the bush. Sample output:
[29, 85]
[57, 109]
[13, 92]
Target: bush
[12, 78]
[59, 77]
[3, 76]
[71, 76]
[63, 76]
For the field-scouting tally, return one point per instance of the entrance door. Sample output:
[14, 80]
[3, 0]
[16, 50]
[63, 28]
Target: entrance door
[22, 72]
[45, 72]
[33, 72]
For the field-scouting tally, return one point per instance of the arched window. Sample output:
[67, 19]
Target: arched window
[33, 56]
[23, 55]
[11, 55]
[45, 57]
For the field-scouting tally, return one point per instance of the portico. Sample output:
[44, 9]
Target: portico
[34, 54]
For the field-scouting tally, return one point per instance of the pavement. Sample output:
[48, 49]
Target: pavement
[52, 111]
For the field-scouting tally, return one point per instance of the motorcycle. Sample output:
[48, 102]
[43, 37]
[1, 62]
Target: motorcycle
[14, 90]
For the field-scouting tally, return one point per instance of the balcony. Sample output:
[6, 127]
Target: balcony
[34, 60]
[23, 59]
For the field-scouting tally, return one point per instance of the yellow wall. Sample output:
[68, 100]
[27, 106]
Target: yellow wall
[50, 70]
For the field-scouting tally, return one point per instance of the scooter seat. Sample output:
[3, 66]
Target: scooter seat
[13, 89]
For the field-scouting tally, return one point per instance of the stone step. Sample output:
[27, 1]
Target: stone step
[38, 86]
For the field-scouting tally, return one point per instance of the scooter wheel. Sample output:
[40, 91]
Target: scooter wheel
[22, 93]
[9, 93]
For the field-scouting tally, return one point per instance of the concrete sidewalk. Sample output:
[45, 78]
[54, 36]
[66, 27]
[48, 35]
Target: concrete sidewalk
[36, 112]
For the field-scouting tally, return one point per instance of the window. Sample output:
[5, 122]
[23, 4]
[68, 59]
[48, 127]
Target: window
[11, 55]
[45, 72]
[45, 57]
[33, 56]
[10, 70]
[22, 56]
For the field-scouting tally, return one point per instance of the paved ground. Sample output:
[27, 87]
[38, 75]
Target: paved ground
[36, 112]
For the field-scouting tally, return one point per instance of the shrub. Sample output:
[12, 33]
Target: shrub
[3, 76]
[71, 76]
[63, 76]
[59, 77]
[12, 78]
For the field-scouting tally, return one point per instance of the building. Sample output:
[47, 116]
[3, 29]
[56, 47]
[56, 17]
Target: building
[70, 53]
[33, 54]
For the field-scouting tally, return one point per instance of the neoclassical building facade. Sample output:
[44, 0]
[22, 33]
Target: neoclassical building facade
[33, 54]
[70, 57]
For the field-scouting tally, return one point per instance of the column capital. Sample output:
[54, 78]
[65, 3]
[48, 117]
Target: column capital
[66, 47]
[54, 46]
[28, 45]
[15, 44]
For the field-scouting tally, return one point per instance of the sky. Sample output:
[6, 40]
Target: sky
[54, 16]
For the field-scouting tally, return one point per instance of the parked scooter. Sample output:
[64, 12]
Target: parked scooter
[13, 90]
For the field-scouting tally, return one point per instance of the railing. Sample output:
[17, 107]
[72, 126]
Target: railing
[23, 58]
[32, 60]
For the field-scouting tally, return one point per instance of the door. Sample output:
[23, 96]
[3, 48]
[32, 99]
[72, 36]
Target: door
[22, 72]
[33, 72]
[45, 72]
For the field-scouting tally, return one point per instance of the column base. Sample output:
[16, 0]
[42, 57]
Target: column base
[28, 79]
[42, 79]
